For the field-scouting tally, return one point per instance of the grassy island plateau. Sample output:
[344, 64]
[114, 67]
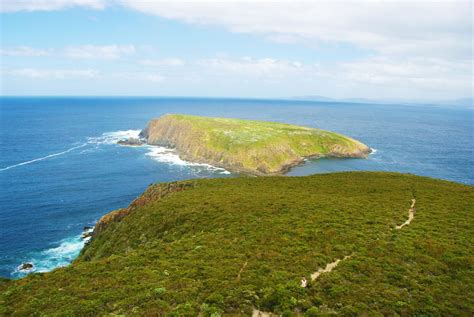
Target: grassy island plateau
[353, 243]
[247, 146]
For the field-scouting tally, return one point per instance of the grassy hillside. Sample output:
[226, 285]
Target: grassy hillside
[228, 246]
[254, 147]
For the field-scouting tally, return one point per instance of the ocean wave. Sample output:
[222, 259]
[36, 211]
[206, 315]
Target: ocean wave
[42, 158]
[61, 255]
[113, 137]
[166, 155]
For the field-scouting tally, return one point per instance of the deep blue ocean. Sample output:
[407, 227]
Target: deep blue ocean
[61, 169]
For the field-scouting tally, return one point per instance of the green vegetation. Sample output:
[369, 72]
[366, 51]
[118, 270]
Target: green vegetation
[247, 146]
[227, 246]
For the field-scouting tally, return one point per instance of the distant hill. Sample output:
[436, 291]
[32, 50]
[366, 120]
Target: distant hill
[462, 102]
[247, 146]
[367, 244]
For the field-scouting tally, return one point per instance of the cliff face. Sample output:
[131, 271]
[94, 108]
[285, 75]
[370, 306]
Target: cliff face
[253, 147]
[153, 193]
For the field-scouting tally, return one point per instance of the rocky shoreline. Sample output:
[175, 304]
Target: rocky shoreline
[29, 267]
[132, 142]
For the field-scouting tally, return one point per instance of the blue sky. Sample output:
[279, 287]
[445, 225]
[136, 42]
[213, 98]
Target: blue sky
[239, 49]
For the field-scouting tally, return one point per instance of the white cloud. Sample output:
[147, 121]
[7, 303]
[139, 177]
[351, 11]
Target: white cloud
[23, 51]
[387, 27]
[35, 73]
[429, 28]
[156, 78]
[48, 5]
[132, 76]
[413, 67]
[167, 62]
[415, 72]
[415, 47]
[98, 51]
[430, 73]
[80, 52]
[263, 67]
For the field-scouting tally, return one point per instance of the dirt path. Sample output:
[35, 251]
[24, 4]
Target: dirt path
[259, 313]
[329, 267]
[411, 215]
[241, 270]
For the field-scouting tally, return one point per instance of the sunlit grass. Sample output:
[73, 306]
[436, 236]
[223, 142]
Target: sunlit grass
[183, 254]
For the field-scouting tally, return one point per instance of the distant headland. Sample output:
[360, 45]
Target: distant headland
[246, 146]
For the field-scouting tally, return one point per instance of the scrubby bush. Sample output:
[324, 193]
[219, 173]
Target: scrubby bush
[227, 246]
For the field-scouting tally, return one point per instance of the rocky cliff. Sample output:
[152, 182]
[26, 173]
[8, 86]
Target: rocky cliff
[152, 193]
[252, 147]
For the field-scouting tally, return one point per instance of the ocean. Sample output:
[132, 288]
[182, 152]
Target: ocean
[61, 169]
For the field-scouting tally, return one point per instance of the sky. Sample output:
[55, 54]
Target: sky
[384, 50]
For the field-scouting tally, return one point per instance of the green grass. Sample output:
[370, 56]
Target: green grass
[254, 147]
[181, 255]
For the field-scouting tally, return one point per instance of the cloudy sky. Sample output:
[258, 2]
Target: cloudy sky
[417, 50]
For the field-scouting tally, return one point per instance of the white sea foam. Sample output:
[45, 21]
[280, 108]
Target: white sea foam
[166, 155]
[58, 256]
[373, 151]
[42, 158]
[114, 137]
[160, 154]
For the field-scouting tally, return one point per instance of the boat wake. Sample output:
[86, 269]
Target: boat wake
[160, 154]
[105, 138]
[43, 158]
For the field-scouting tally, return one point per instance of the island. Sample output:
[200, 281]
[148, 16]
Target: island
[247, 146]
[339, 244]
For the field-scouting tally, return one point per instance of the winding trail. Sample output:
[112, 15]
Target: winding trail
[259, 313]
[411, 215]
[241, 270]
[329, 267]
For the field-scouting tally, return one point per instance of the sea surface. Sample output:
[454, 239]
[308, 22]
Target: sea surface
[61, 169]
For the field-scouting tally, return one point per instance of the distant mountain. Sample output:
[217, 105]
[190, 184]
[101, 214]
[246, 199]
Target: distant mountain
[461, 102]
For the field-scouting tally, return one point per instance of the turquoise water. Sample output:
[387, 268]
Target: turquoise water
[60, 169]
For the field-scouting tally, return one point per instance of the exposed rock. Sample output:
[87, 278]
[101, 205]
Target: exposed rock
[87, 234]
[131, 142]
[26, 267]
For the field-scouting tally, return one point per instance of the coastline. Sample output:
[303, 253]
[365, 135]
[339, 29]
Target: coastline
[284, 169]
[257, 148]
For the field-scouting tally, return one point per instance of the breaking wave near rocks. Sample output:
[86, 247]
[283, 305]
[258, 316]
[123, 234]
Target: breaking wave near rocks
[166, 155]
[56, 256]
[157, 153]
[110, 138]
[107, 138]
